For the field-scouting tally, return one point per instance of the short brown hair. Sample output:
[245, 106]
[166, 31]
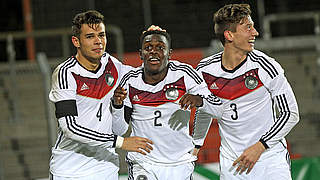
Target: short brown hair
[90, 17]
[227, 17]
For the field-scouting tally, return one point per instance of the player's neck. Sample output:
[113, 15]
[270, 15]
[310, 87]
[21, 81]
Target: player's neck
[154, 78]
[231, 59]
[87, 64]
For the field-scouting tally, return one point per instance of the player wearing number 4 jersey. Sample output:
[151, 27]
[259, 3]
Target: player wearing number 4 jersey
[158, 96]
[251, 85]
[82, 87]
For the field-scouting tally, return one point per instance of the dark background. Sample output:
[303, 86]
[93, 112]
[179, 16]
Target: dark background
[188, 21]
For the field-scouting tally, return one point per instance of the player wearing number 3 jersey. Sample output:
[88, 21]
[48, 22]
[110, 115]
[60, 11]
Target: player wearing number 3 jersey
[251, 86]
[159, 95]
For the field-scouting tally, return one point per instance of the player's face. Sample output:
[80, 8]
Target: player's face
[244, 37]
[92, 42]
[155, 53]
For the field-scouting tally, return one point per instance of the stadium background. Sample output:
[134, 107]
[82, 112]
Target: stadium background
[35, 37]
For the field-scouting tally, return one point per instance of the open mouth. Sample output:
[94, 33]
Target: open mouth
[154, 60]
[252, 41]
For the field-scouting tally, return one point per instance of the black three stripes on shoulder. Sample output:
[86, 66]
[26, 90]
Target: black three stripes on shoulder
[282, 119]
[265, 64]
[63, 71]
[128, 75]
[187, 69]
[173, 67]
[87, 133]
[215, 58]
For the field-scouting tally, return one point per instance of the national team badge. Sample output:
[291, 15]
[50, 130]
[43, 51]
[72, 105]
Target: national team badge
[109, 79]
[251, 82]
[172, 93]
[142, 177]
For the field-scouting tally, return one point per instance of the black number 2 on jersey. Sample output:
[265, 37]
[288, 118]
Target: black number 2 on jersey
[158, 115]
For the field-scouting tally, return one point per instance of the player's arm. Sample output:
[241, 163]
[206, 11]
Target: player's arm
[285, 101]
[202, 123]
[211, 104]
[120, 112]
[189, 101]
[208, 106]
[119, 124]
[63, 95]
[198, 94]
[68, 124]
[203, 120]
[211, 108]
[121, 117]
[67, 115]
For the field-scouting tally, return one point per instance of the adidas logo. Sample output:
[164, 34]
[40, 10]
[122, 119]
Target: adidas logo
[84, 87]
[135, 98]
[214, 86]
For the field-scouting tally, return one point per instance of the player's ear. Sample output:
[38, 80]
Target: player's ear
[140, 54]
[75, 41]
[169, 53]
[228, 35]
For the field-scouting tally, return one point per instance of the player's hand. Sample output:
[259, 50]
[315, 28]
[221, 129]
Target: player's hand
[249, 158]
[179, 119]
[137, 144]
[189, 101]
[119, 95]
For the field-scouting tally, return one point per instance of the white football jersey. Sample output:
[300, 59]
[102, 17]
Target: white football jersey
[157, 115]
[85, 142]
[250, 94]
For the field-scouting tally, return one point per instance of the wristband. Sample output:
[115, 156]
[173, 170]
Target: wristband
[119, 142]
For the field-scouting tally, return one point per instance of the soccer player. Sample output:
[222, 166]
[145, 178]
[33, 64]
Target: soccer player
[251, 86]
[157, 99]
[82, 87]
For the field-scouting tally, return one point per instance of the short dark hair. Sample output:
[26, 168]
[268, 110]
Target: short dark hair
[227, 17]
[90, 17]
[164, 33]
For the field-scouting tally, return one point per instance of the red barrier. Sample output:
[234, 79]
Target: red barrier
[190, 56]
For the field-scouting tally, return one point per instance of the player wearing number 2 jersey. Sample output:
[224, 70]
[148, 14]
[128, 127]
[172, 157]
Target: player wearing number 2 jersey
[251, 85]
[155, 94]
[81, 90]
